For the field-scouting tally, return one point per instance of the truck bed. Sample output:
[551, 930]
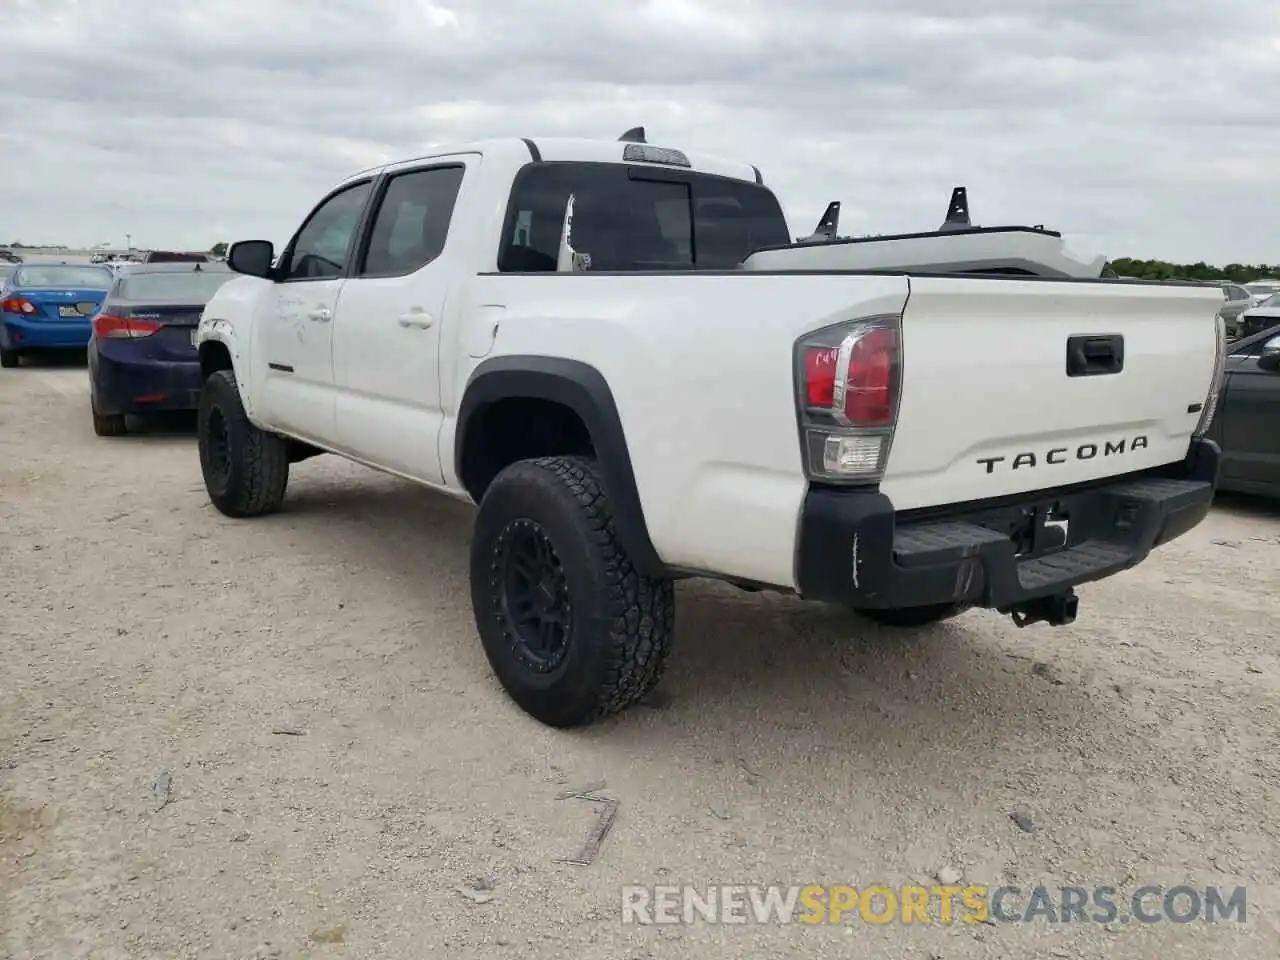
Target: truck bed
[1026, 251]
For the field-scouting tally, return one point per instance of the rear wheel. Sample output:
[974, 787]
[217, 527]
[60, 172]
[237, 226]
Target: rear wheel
[914, 616]
[246, 470]
[573, 631]
[8, 357]
[108, 424]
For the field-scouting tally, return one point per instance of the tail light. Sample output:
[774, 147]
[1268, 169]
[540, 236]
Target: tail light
[850, 381]
[1219, 371]
[108, 326]
[18, 305]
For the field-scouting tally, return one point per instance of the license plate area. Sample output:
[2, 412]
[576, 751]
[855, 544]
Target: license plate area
[71, 312]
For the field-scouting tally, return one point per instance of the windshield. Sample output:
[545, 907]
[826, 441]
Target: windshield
[186, 287]
[63, 275]
[630, 217]
[1271, 301]
[1262, 289]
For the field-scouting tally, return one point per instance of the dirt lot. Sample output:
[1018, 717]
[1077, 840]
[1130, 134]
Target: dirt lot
[142, 633]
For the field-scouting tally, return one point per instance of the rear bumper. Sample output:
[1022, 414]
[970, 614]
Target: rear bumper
[143, 386]
[854, 549]
[23, 334]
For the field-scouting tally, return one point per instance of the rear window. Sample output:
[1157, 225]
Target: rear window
[637, 218]
[182, 287]
[71, 277]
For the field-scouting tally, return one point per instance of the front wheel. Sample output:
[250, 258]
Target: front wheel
[573, 631]
[246, 470]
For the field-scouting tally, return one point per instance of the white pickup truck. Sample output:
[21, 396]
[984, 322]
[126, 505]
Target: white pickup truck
[575, 335]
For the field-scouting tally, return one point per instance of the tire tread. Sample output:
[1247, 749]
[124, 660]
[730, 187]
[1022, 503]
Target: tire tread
[636, 614]
[263, 466]
[642, 610]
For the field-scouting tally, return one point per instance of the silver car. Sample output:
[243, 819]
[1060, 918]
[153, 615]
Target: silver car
[1238, 300]
[1262, 289]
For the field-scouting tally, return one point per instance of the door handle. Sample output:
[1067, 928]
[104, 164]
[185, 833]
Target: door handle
[417, 319]
[320, 315]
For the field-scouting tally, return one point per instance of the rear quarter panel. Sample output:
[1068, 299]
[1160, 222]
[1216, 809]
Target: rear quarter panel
[701, 369]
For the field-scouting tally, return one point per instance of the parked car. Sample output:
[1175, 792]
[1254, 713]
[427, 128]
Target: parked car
[8, 256]
[49, 307]
[528, 325]
[1256, 319]
[1247, 425]
[142, 354]
[1261, 290]
[1237, 300]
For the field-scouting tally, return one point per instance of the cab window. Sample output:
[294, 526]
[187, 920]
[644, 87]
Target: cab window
[324, 243]
[412, 222]
[628, 217]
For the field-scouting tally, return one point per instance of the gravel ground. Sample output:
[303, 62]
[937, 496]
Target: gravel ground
[341, 765]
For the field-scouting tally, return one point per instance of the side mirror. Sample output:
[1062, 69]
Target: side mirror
[1270, 358]
[252, 257]
[569, 260]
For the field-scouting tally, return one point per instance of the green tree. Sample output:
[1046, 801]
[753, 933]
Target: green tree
[219, 249]
[1163, 270]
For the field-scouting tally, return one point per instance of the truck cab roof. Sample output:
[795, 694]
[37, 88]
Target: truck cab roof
[518, 151]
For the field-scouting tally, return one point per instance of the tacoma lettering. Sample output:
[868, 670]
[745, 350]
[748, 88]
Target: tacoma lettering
[1085, 451]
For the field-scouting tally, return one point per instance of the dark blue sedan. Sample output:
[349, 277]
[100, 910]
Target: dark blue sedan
[48, 306]
[142, 355]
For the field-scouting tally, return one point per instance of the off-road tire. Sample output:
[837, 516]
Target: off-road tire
[620, 623]
[252, 479]
[907, 617]
[8, 358]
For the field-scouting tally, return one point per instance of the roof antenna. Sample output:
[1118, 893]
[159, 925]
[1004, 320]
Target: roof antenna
[634, 135]
[957, 212]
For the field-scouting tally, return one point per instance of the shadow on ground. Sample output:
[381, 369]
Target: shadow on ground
[814, 677]
[54, 359]
[1246, 505]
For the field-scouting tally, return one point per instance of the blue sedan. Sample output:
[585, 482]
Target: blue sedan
[142, 356]
[49, 307]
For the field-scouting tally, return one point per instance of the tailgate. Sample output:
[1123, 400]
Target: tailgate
[989, 407]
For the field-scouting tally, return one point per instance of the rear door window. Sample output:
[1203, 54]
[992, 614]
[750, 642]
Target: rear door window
[628, 217]
[412, 222]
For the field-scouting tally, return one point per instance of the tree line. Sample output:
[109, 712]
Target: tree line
[1164, 270]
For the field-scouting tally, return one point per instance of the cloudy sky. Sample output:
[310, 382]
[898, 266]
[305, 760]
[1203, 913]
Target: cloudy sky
[1146, 128]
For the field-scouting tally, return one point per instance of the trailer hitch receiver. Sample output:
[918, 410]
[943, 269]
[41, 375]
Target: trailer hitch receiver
[1057, 610]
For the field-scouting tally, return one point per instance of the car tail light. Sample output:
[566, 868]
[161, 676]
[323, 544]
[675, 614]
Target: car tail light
[850, 383]
[18, 305]
[108, 326]
[1219, 372]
